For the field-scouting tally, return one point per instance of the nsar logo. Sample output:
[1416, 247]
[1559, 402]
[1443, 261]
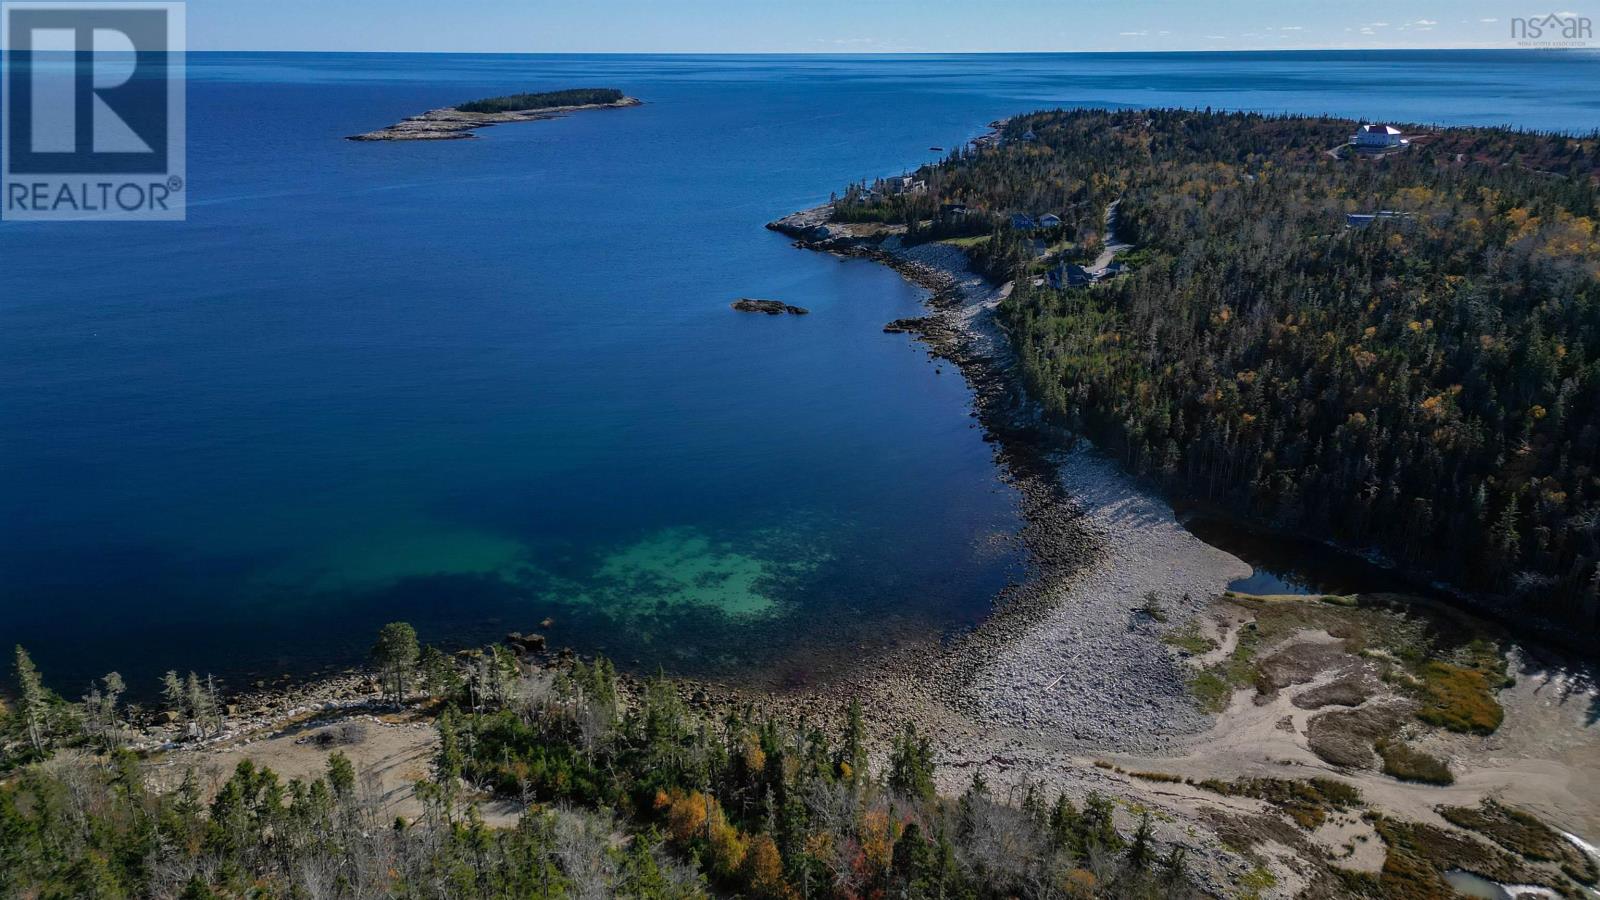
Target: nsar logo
[1563, 29]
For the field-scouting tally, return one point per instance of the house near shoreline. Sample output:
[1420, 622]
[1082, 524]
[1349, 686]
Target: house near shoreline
[905, 184]
[1378, 137]
[1070, 275]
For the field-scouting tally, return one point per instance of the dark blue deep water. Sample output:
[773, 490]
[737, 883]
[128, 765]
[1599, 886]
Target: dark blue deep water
[473, 384]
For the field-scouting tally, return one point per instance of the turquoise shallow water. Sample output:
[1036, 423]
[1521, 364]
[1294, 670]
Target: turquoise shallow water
[474, 384]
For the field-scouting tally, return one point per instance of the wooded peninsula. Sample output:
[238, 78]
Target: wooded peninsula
[1399, 352]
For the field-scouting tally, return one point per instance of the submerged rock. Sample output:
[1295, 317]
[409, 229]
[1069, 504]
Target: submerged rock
[770, 307]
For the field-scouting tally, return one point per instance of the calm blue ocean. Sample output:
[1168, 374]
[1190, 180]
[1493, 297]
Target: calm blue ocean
[473, 384]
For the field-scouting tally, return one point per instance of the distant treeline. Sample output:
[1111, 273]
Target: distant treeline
[1422, 385]
[546, 100]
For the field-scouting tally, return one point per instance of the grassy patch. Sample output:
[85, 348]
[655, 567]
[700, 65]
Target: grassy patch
[1257, 880]
[1062, 249]
[966, 243]
[1458, 698]
[1188, 637]
[1410, 764]
[1158, 777]
[1214, 685]
[1211, 691]
[1307, 802]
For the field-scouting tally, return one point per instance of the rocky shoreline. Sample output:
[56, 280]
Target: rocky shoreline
[1068, 686]
[1072, 678]
[1097, 544]
[451, 124]
[1071, 659]
[1073, 622]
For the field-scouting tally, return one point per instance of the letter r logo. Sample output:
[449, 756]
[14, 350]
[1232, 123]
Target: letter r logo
[92, 110]
[88, 88]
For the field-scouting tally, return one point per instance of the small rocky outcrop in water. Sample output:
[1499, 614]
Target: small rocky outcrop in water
[525, 643]
[909, 326]
[770, 307]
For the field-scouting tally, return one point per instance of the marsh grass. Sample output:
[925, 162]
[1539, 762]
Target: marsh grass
[1308, 802]
[1443, 659]
[1410, 764]
[1522, 833]
[1458, 698]
[1418, 856]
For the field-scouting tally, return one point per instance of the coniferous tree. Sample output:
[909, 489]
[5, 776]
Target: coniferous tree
[33, 699]
[911, 765]
[853, 747]
[395, 655]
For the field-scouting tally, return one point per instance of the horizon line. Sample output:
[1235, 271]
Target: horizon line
[1474, 48]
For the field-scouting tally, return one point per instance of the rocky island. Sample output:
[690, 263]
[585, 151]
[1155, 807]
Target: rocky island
[770, 307]
[453, 123]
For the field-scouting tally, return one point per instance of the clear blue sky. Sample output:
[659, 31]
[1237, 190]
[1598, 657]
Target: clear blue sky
[850, 26]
